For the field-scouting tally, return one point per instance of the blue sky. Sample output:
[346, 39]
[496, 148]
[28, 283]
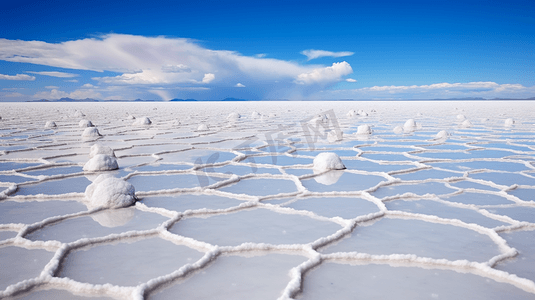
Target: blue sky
[267, 50]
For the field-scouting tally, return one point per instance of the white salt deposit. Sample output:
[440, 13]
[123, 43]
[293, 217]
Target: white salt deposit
[509, 122]
[409, 126]
[110, 192]
[461, 117]
[99, 149]
[441, 135]
[351, 113]
[130, 117]
[255, 115]
[78, 114]
[335, 136]
[101, 162]
[142, 121]
[398, 129]
[466, 124]
[202, 127]
[364, 129]
[90, 132]
[233, 116]
[85, 123]
[50, 124]
[328, 161]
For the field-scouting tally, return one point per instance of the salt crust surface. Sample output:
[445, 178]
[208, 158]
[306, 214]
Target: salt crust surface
[436, 137]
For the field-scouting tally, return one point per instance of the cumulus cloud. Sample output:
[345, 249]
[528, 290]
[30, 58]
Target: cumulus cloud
[239, 85]
[325, 75]
[351, 80]
[55, 74]
[88, 86]
[470, 86]
[17, 77]
[171, 62]
[313, 54]
[77, 94]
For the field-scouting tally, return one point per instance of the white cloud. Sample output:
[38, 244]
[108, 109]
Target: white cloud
[325, 75]
[351, 80]
[71, 80]
[55, 74]
[470, 86]
[208, 77]
[161, 61]
[313, 54]
[88, 86]
[77, 94]
[14, 95]
[239, 85]
[17, 77]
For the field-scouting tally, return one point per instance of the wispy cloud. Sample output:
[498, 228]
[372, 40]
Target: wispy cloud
[17, 77]
[239, 85]
[50, 87]
[172, 62]
[351, 80]
[77, 94]
[313, 54]
[55, 74]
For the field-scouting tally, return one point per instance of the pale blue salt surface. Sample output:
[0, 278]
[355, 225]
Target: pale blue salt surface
[126, 263]
[261, 276]
[17, 264]
[307, 226]
[377, 281]
[41, 293]
[255, 226]
[524, 264]
[425, 239]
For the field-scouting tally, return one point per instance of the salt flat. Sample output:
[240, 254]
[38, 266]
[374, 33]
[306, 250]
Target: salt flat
[436, 200]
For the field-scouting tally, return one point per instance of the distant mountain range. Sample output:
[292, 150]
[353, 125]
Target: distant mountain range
[235, 99]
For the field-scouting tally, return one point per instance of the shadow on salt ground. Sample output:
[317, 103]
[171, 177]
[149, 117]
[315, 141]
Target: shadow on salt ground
[425, 239]
[522, 265]
[97, 225]
[376, 281]
[254, 226]
[126, 263]
[236, 277]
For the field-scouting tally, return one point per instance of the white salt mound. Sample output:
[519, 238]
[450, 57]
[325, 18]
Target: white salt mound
[352, 113]
[364, 129]
[110, 192]
[328, 161]
[142, 121]
[466, 124]
[360, 112]
[461, 117]
[509, 122]
[409, 126]
[202, 127]
[334, 136]
[91, 132]
[233, 116]
[441, 135]
[85, 123]
[99, 149]
[78, 114]
[130, 117]
[101, 162]
[398, 129]
[255, 115]
[50, 124]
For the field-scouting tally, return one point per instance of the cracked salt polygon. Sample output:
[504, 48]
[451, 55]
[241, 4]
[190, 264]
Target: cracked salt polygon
[50, 124]
[85, 123]
[233, 116]
[101, 162]
[142, 121]
[364, 129]
[509, 122]
[328, 161]
[99, 149]
[110, 192]
[91, 132]
[202, 127]
[466, 124]
[409, 126]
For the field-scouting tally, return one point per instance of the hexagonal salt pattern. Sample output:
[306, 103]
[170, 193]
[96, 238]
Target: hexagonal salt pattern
[239, 212]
